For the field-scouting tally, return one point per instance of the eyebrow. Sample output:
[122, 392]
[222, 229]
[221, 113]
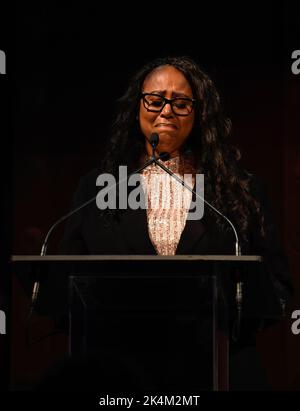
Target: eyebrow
[174, 93]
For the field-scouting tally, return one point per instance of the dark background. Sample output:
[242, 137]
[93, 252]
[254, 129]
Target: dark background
[71, 63]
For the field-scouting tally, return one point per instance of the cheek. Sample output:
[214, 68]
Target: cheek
[145, 119]
[187, 128]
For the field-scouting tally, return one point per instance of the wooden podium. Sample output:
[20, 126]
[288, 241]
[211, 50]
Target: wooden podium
[165, 317]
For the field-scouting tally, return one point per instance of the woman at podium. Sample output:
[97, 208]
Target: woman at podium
[171, 112]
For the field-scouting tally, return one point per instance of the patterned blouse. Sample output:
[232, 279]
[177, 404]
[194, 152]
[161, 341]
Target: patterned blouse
[167, 202]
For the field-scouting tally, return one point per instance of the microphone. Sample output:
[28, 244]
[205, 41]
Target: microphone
[154, 142]
[239, 284]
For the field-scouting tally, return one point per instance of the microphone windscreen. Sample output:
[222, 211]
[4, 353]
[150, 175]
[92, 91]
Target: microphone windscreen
[154, 139]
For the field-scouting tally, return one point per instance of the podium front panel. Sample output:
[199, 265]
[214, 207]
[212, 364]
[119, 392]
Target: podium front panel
[161, 330]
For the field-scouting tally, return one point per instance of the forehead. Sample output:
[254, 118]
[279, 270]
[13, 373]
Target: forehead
[166, 78]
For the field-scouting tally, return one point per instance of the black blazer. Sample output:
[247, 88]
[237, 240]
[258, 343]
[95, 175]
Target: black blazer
[87, 232]
[266, 288]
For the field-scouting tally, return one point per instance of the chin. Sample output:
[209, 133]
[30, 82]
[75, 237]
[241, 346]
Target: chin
[166, 142]
[167, 135]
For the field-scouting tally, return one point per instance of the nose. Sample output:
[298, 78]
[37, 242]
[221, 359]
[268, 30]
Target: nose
[167, 110]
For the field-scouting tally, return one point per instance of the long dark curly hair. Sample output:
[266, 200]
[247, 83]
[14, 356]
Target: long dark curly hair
[227, 184]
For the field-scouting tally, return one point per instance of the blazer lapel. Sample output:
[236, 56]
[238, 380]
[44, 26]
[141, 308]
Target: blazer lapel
[134, 227]
[191, 234]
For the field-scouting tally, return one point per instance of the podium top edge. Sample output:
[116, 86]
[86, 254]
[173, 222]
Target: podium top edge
[82, 258]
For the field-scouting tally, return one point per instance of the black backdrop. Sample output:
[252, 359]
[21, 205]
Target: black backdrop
[70, 63]
[73, 62]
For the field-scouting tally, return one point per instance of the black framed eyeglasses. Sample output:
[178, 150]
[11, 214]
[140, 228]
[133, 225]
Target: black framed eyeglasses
[181, 106]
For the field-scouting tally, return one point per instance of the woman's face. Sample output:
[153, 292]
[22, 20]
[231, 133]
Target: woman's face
[173, 130]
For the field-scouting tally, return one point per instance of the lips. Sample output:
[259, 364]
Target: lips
[166, 125]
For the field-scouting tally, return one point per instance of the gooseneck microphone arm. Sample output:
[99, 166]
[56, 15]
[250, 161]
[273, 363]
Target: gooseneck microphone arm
[61, 220]
[237, 245]
[66, 216]
[36, 285]
[153, 140]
